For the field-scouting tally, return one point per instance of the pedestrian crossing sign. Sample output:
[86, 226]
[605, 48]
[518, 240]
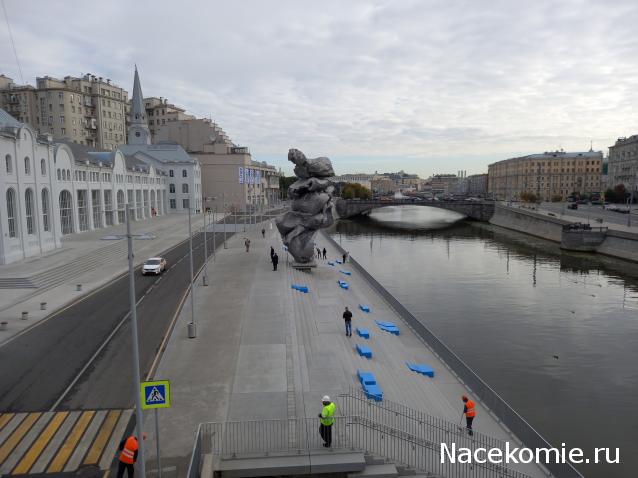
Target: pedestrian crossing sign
[155, 394]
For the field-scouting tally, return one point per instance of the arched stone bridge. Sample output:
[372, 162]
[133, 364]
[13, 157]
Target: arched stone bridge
[476, 210]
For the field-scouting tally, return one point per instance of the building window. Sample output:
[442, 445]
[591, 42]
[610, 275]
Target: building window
[185, 203]
[171, 188]
[8, 163]
[27, 166]
[171, 173]
[11, 212]
[185, 188]
[28, 205]
[82, 213]
[184, 173]
[173, 204]
[43, 167]
[97, 213]
[121, 206]
[45, 209]
[66, 212]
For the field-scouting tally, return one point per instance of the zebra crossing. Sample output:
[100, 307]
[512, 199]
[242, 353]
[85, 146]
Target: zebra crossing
[56, 442]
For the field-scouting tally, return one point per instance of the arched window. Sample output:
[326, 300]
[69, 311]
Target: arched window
[27, 165]
[59, 175]
[121, 206]
[43, 167]
[68, 174]
[45, 209]
[185, 188]
[184, 173]
[11, 212]
[66, 212]
[64, 175]
[28, 205]
[9, 163]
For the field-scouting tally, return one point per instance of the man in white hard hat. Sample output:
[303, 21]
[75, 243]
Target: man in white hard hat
[326, 417]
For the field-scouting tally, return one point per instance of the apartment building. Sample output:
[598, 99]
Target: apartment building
[623, 163]
[547, 175]
[18, 100]
[159, 112]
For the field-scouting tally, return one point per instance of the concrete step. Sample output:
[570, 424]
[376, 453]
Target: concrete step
[374, 460]
[286, 465]
[405, 470]
[387, 470]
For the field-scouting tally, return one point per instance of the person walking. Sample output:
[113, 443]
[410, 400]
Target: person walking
[247, 244]
[318, 253]
[347, 317]
[326, 418]
[128, 456]
[324, 252]
[345, 256]
[263, 233]
[275, 261]
[470, 413]
[272, 252]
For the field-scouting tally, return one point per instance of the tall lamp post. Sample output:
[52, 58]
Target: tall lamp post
[192, 326]
[205, 279]
[136, 351]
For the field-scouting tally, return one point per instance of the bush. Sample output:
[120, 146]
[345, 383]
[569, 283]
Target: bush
[355, 190]
[527, 196]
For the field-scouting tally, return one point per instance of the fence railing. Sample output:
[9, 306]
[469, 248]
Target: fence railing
[300, 436]
[492, 400]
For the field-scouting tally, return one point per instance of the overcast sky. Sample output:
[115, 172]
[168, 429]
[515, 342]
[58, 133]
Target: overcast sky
[424, 86]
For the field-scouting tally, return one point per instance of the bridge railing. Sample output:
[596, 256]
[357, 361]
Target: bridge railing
[504, 413]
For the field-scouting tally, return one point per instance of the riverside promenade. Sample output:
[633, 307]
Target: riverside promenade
[266, 351]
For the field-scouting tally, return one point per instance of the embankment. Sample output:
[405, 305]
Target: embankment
[623, 245]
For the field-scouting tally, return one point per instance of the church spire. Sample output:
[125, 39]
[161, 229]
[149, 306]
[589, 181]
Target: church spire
[138, 132]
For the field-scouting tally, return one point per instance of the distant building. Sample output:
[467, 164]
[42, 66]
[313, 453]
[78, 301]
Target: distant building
[159, 112]
[382, 185]
[230, 177]
[546, 175]
[364, 180]
[476, 185]
[623, 163]
[443, 184]
[19, 101]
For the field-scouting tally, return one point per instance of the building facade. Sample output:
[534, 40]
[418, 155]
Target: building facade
[230, 179]
[159, 111]
[623, 164]
[48, 190]
[87, 110]
[444, 184]
[476, 185]
[364, 180]
[547, 175]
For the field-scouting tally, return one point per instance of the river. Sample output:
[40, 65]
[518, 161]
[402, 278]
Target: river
[554, 333]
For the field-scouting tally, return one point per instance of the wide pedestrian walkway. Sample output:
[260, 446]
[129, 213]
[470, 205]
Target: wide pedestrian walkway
[266, 351]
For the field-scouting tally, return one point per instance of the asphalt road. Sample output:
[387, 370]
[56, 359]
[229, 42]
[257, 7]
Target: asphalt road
[79, 358]
[593, 211]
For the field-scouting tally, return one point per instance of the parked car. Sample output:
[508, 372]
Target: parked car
[572, 205]
[154, 265]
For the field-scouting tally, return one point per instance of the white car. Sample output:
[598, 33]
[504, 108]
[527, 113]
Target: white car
[154, 265]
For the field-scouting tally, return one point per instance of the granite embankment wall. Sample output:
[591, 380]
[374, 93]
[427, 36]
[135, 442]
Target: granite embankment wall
[623, 245]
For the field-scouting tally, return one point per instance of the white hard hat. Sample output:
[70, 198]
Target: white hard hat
[325, 398]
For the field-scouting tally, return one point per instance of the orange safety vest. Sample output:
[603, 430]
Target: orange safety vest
[470, 408]
[128, 452]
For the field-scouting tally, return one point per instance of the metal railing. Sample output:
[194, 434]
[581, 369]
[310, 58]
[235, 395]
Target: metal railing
[300, 436]
[489, 398]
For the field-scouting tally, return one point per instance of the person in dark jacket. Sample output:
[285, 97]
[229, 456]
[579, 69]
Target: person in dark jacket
[347, 317]
[275, 261]
[128, 456]
[324, 252]
[272, 252]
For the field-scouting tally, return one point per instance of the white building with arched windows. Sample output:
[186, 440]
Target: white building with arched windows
[49, 190]
[29, 225]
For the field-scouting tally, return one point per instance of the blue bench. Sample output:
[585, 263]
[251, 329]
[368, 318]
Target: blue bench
[348, 273]
[343, 284]
[361, 332]
[373, 392]
[388, 327]
[366, 378]
[300, 288]
[364, 308]
[364, 351]
[421, 368]
[338, 261]
[330, 263]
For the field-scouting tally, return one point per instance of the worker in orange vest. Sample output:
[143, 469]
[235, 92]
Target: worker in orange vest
[128, 456]
[470, 413]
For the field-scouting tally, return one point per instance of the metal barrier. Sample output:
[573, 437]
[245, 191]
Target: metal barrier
[492, 400]
[300, 436]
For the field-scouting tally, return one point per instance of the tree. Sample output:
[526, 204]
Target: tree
[355, 190]
[527, 196]
[617, 195]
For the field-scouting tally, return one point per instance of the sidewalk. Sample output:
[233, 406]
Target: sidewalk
[265, 351]
[86, 259]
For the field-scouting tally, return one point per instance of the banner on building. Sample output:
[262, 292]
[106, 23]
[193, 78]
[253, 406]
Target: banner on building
[258, 176]
[241, 175]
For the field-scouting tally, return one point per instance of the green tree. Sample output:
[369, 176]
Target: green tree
[527, 196]
[355, 190]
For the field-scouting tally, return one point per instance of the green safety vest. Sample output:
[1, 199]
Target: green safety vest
[327, 414]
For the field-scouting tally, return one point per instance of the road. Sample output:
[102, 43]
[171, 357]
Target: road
[81, 357]
[592, 212]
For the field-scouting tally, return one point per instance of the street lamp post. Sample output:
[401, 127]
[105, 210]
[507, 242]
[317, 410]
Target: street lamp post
[192, 326]
[205, 277]
[136, 351]
[214, 219]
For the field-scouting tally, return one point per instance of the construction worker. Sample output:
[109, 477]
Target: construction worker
[326, 417]
[128, 456]
[470, 413]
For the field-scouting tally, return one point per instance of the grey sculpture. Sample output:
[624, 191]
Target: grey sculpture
[311, 209]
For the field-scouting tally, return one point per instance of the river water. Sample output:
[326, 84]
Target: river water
[554, 333]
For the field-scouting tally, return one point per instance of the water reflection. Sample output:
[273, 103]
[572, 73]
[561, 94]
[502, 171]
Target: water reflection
[509, 304]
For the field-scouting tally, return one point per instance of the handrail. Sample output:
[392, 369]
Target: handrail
[489, 398]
